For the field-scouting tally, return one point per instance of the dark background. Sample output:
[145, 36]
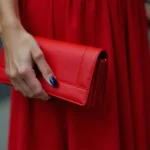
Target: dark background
[4, 113]
[4, 90]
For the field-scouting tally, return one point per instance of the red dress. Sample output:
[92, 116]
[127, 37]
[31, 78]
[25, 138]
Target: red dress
[123, 122]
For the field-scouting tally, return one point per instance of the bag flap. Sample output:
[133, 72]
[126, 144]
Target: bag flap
[73, 66]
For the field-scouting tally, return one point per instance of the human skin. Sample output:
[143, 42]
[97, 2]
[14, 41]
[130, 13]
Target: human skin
[21, 52]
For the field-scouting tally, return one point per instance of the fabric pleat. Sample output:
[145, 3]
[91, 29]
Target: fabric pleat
[122, 122]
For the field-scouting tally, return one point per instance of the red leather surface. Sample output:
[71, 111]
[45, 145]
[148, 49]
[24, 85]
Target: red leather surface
[81, 71]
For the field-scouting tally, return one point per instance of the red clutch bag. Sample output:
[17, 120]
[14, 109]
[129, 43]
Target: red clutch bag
[81, 71]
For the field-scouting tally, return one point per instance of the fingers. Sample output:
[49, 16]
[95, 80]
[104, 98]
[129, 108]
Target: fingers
[21, 86]
[44, 68]
[26, 82]
[35, 85]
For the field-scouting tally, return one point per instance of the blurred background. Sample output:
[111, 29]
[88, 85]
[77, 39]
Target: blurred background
[4, 113]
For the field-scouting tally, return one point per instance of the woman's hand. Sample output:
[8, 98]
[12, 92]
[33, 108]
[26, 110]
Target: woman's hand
[21, 53]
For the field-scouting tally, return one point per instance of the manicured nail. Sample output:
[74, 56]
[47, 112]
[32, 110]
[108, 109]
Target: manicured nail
[53, 81]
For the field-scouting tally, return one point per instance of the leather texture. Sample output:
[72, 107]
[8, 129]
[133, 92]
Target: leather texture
[81, 71]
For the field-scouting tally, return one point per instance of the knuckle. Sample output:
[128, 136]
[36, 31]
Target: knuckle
[48, 70]
[39, 55]
[25, 94]
[38, 92]
[31, 95]
[7, 72]
[13, 75]
[23, 72]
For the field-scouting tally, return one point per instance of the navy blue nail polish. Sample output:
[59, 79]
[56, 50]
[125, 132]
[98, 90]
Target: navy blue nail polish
[53, 81]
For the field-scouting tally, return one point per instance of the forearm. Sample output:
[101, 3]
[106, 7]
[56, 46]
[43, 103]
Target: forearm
[9, 14]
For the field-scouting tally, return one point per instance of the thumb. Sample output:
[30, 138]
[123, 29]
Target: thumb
[43, 67]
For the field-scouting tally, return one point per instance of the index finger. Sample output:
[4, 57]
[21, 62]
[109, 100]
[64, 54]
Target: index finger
[43, 67]
[35, 85]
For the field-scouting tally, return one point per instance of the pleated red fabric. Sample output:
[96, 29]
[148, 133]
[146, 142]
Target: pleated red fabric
[122, 122]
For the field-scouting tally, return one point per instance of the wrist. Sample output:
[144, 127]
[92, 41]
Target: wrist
[11, 26]
[11, 30]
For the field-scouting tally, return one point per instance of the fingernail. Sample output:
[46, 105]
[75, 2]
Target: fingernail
[53, 81]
